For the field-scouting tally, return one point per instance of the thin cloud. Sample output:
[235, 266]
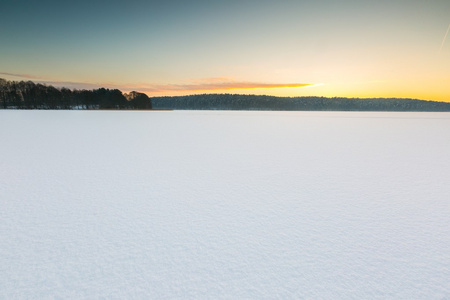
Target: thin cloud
[207, 84]
[74, 85]
[60, 84]
[196, 85]
[216, 86]
[26, 76]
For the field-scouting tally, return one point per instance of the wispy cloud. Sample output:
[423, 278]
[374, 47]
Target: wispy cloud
[56, 83]
[213, 84]
[77, 85]
[194, 85]
[25, 76]
[199, 85]
[66, 84]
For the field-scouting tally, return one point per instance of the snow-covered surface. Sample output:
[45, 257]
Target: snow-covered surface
[232, 205]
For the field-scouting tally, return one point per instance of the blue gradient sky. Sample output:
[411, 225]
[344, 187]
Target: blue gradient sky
[330, 48]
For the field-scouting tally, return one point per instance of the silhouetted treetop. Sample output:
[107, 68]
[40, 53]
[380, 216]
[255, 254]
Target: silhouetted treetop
[28, 95]
[138, 100]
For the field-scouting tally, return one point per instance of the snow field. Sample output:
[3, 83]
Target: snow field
[224, 205]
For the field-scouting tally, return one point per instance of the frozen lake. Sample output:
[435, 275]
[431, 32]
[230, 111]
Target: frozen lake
[224, 205]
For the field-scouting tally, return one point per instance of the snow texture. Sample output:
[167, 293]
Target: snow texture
[224, 205]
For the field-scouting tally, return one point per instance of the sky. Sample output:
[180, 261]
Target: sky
[348, 48]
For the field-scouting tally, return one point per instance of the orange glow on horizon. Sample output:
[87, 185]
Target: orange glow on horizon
[388, 87]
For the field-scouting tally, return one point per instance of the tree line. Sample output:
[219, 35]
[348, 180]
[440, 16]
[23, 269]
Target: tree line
[30, 95]
[257, 102]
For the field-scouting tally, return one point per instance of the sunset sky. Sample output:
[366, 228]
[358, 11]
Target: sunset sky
[395, 48]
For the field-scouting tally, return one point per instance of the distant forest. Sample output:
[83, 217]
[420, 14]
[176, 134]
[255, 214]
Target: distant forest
[255, 102]
[30, 95]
